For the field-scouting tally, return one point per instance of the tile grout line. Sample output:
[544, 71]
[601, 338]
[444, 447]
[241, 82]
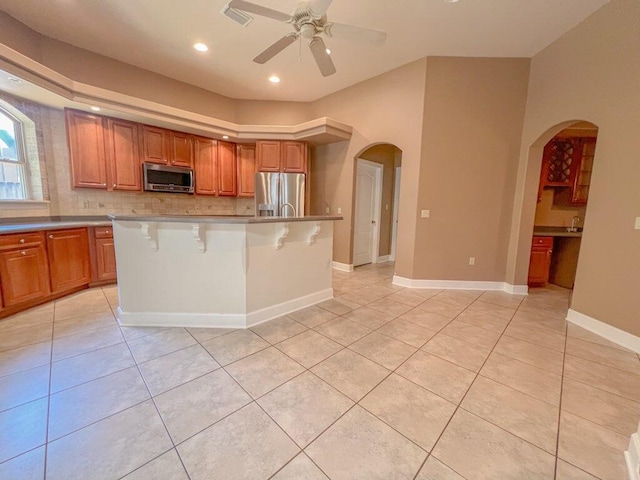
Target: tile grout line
[46, 438]
[564, 356]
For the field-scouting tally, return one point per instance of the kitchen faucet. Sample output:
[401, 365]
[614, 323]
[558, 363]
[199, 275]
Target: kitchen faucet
[574, 224]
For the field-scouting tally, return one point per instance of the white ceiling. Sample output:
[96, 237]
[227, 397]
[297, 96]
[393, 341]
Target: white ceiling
[158, 35]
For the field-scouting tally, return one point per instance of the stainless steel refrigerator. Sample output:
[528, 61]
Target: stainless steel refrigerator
[280, 194]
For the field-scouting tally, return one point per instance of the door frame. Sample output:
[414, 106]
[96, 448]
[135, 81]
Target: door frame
[377, 199]
[396, 209]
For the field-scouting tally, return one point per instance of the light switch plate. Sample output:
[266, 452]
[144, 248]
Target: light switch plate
[637, 227]
[327, 210]
[339, 211]
[425, 213]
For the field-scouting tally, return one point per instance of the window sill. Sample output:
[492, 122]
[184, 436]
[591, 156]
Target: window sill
[24, 204]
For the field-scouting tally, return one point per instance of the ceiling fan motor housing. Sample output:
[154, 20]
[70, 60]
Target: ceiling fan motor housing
[306, 23]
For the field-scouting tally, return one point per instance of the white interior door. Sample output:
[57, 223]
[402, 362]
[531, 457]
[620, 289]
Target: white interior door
[396, 209]
[366, 213]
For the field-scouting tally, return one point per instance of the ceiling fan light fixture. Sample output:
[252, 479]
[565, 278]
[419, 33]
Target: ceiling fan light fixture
[201, 47]
[274, 79]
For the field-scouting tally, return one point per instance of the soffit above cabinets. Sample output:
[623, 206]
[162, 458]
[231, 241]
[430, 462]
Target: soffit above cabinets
[24, 78]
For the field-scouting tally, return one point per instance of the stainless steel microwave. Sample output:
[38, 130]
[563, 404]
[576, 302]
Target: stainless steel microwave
[163, 178]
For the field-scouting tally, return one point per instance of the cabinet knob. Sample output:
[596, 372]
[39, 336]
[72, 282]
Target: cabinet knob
[51, 236]
[23, 252]
[22, 240]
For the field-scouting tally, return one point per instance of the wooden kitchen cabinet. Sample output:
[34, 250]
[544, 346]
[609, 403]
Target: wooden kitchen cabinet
[103, 256]
[155, 145]
[246, 170]
[294, 157]
[582, 173]
[181, 149]
[205, 166]
[227, 170]
[277, 156]
[85, 137]
[123, 155]
[104, 152]
[540, 261]
[23, 268]
[268, 155]
[68, 254]
[567, 162]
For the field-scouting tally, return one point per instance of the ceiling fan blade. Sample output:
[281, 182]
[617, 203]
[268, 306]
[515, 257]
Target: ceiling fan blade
[276, 48]
[319, 7]
[352, 32]
[259, 10]
[319, 51]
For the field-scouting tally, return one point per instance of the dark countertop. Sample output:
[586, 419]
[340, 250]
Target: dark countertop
[29, 224]
[234, 219]
[540, 231]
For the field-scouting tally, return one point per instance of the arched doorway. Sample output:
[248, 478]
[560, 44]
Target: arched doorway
[554, 206]
[375, 200]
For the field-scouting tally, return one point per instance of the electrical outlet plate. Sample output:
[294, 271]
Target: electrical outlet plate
[472, 260]
[637, 227]
[339, 210]
[425, 213]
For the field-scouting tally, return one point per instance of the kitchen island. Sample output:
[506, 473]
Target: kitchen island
[230, 272]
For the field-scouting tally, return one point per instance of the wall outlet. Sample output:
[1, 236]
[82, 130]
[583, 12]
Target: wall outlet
[425, 213]
[327, 210]
[386, 206]
[339, 211]
[472, 260]
[637, 227]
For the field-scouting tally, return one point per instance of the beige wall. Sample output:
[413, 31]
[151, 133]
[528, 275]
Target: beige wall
[386, 155]
[384, 109]
[260, 112]
[591, 73]
[474, 109]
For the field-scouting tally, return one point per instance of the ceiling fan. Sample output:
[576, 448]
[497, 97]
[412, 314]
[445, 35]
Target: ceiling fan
[309, 21]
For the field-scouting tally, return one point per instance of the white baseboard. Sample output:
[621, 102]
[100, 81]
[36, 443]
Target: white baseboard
[382, 259]
[605, 330]
[275, 311]
[632, 457]
[459, 285]
[343, 267]
[220, 320]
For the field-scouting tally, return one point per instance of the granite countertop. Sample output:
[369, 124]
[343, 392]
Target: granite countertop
[235, 219]
[540, 231]
[29, 224]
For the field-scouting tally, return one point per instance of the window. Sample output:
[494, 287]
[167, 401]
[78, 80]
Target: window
[13, 165]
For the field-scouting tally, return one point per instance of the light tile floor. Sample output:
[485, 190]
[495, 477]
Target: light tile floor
[379, 383]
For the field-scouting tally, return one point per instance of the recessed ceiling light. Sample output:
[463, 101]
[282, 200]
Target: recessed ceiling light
[328, 51]
[451, 1]
[274, 79]
[201, 47]
[225, 137]
[95, 109]
[14, 79]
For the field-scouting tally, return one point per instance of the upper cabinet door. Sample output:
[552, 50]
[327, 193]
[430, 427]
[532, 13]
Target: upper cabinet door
[206, 166]
[268, 156]
[123, 154]
[582, 176]
[294, 157]
[246, 170]
[85, 135]
[227, 170]
[181, 152]
[155, 145]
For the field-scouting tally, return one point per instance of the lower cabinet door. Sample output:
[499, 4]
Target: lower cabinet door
[539, 265]
[105, 259]
[68, 252]
[24, 275]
